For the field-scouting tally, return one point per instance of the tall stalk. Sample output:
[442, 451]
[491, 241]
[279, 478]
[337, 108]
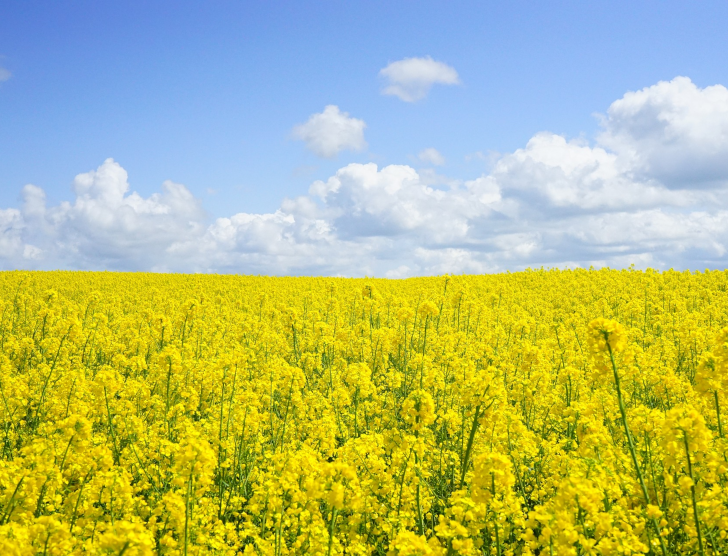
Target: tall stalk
[630, 443]
[420, 521]
[332, 524]
[469, 449]
[717, 412]
[187, 509]
[692, 492]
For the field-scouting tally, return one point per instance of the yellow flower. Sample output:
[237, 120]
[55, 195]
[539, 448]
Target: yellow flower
[408, 543]
[605, 334]
[469, 415]
[418, 410]
[428, 309]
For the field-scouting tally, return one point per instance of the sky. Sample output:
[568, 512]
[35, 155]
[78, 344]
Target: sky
[363, 138]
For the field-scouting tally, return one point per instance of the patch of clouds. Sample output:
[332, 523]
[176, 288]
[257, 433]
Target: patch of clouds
[328, 133]
[673, 131]
[11, 233]
[617, 201]
[573, 175]
[394, 202]
[402, 271]
[431, 156]
[107, 226]
[411, 79]
[452, 260]
[4, 74]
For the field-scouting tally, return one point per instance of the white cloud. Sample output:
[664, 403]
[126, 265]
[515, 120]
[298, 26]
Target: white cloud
[673, 131]
[106, 226]
[571, 174]
[393, 201]
[431, 156]
[11, 233]
[4, 74]
[402, 271]
[330, 132]
[411, 79]
[452, 260]
[554, 202]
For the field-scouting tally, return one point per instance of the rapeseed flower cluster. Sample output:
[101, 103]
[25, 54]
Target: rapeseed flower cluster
[535, 413]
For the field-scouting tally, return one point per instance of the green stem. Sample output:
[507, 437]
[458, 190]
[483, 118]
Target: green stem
[692, 492]
[166, 403]
[332, 524]
[497, 535]
[717, 411]
[11, 503]
[187, 509]
[420, 522]
[111, 429]
[401, 483]
[78, 500]
[424, 346]
[469, 449]
[630, 443]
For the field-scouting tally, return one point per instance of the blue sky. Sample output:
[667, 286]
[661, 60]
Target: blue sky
[208, 95]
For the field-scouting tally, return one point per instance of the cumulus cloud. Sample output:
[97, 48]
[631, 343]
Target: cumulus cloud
[330, 132]
[394, 202]
[555, 202]
[674, 132]
[431, 156]
[411, 79]
[572, 175]
[107, 226]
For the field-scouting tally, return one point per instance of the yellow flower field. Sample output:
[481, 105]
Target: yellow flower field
[540, 412]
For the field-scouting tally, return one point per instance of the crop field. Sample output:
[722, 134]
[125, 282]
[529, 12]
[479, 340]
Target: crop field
[539, 412]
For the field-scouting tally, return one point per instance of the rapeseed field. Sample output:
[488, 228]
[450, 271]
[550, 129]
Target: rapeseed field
[539, 412]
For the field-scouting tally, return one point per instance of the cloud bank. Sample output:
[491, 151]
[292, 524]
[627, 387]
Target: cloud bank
[412, 78]
[652, 190]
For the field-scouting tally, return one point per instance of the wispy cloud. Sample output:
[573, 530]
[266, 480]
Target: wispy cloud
[431, 156]
[412, 78]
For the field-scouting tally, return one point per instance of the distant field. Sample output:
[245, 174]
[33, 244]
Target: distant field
[198, 414]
